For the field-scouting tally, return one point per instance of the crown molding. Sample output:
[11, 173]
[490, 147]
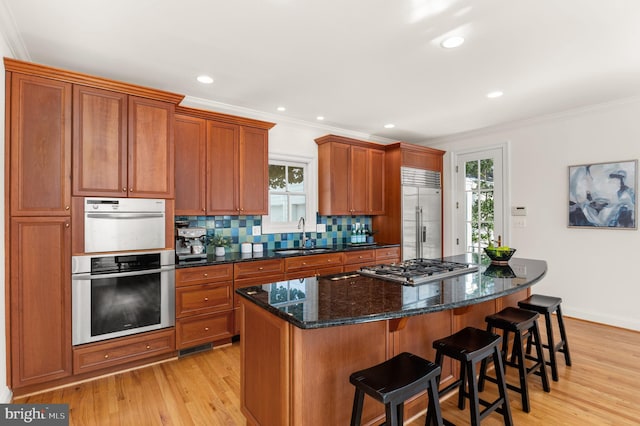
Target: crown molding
[10, 34]
[517, 124]
[195, 102]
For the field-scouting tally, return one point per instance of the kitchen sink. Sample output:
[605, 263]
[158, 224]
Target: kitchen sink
[301, 250]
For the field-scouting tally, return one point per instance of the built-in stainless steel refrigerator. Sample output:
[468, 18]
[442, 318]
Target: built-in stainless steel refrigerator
[421, 214]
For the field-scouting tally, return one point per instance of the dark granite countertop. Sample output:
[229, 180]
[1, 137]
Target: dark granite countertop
[277, 254]
[349, 298]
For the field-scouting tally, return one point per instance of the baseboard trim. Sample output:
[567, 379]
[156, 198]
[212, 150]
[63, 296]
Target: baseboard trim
[5, 395]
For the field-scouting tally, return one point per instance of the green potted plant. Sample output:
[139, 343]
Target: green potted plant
[219, 242]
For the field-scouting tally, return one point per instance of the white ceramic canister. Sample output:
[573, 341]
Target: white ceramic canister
[245, 248]
[257, 247]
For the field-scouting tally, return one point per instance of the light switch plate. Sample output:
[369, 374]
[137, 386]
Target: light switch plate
[256, 230]
[321, 227]
[518, 211]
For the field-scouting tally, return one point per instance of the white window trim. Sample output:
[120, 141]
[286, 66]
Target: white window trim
[311, 189]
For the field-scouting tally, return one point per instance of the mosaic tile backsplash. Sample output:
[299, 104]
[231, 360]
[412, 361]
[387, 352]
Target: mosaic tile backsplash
[238, 230]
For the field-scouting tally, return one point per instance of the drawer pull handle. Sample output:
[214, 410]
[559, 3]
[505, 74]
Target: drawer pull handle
[206, 329]
[106, 356]
[206, 299]
[148, 347]
[260, 268]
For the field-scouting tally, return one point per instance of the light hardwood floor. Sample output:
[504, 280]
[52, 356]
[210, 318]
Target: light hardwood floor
[601, 388]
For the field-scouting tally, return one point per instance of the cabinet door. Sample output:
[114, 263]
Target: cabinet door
[375, 182]
[40, 173]
[358, 172]
[253, 171]
[99, 142]
[40, 299]
[333, 180]
[190, 141]
[222, 168]
[151, 148]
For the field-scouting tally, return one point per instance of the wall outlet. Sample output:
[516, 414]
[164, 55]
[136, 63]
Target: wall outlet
[256, 230]
[321, 227]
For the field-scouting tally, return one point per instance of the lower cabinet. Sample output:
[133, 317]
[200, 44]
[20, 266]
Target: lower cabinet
[204, 305]
[317, 264]
[387, 255]
[97, 356]
[355, 260]
[40, 300]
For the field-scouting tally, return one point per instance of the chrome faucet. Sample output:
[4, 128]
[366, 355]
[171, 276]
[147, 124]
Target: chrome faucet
[304, 236]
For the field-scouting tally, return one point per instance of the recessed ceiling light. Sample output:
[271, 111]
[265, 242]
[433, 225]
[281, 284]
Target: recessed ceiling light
[452, 42]
[389, 126]
[319, 118]
[205, 79]
[281, 108]
[494, 94]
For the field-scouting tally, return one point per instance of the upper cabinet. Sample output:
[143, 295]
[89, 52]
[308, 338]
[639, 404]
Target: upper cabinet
[123, 145]
[350, 176]
[222, 164]
[40, 145]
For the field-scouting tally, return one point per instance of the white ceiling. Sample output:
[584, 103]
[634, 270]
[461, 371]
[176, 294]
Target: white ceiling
[359, 63]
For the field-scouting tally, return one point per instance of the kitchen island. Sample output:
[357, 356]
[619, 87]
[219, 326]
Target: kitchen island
[301, 339]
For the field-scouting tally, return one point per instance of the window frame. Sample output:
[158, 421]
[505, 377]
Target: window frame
[310, 190]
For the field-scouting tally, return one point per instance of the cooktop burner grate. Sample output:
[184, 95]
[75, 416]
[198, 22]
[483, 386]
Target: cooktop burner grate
[417, 271]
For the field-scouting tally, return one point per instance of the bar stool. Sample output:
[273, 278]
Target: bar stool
[546, 305]
[523, 324]
[394, 381]
[470, 346]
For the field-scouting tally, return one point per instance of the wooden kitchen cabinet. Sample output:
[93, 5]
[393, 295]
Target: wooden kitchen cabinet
[350, 176]
[387, 255]
[204, 305]
[315, 264]
[123, 145]
[40, 146]
[40, 300]
[221, 164]
[354, 260]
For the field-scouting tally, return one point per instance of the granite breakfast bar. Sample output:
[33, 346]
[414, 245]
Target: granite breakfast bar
[301, 339]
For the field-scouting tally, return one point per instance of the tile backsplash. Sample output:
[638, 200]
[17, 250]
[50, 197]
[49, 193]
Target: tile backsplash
[239, 230]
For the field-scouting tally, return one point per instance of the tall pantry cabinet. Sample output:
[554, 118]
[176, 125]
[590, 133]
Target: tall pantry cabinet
[48, 122]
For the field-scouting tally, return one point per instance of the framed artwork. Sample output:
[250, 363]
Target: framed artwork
[602, 195]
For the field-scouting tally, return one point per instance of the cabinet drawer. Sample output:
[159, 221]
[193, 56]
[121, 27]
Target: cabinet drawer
[102, 355]
[388, 255]
[313, 262]
[204, 274]
[194, 331]
[360, 256]
[203, 298]
[258, 268]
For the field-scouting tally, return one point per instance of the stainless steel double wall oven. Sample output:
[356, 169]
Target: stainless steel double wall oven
[125, 284]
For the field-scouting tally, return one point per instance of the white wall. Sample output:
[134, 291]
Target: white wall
[5, 393]
[592, 270]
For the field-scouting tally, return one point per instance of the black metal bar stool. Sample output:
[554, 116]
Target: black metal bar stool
[546, 305]
[470, 346]
[394, 381]
[523, 324]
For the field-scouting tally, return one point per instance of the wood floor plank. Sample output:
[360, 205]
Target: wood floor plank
[601, 388]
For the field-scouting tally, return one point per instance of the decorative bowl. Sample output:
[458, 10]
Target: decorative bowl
[499, 271]
[499, 255]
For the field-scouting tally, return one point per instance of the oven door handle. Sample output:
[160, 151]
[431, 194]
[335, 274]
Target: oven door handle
[89, 276]
[124, 215]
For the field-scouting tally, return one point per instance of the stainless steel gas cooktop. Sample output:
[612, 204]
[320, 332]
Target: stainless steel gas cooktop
[417, 271]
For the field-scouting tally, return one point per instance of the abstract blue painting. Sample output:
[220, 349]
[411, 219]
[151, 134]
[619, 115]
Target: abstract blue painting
[602, 195]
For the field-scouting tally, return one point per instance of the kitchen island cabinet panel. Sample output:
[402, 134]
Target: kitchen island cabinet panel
[40, 146]
[190, 142]
[40, 294]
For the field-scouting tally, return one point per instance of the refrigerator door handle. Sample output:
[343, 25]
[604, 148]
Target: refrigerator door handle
[418, 223]
[424, 234]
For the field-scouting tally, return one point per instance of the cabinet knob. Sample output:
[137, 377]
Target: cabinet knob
[148, 346]
[66, 225]
[359, 257]
[206, 299]
[206, 329]
[304, 263]
[106, 356]
[130, 189]
[66, 207]
[260, 268]
[205, 275]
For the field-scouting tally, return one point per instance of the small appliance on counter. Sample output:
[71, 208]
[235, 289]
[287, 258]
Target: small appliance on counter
[190, 244]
